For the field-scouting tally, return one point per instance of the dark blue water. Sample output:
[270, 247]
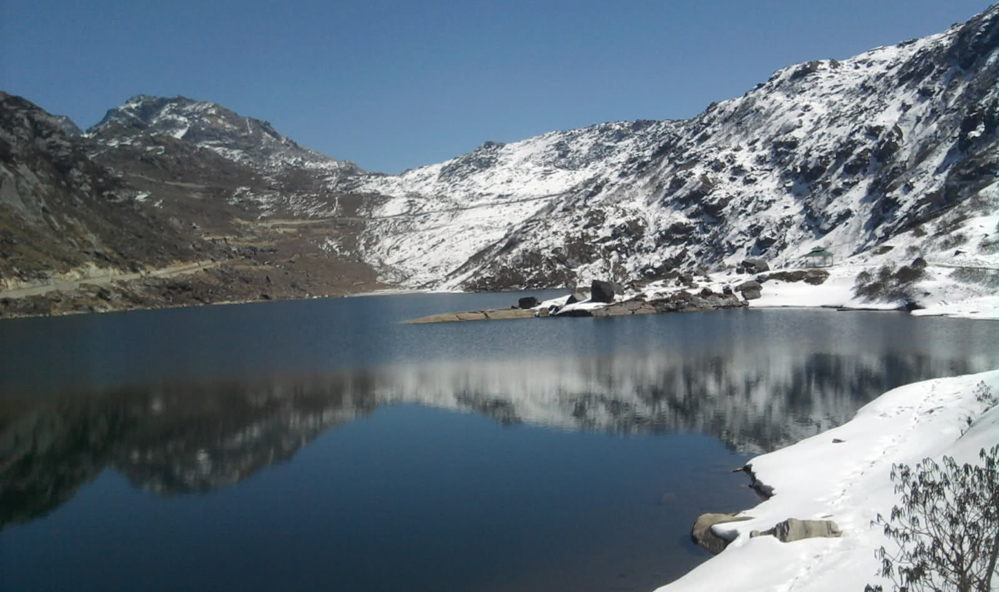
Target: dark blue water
[324, 445]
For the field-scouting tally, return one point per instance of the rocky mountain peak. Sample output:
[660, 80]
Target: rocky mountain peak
[210, 126]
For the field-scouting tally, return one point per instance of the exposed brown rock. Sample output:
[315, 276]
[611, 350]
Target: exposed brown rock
[705, 538]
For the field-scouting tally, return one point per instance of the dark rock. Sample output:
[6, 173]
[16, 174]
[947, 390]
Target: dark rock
[751, 294]
[754, 265]
[706, 292]
[727, 290]
[576, 296]
[750, 285]
[528, 302]
[601, 291]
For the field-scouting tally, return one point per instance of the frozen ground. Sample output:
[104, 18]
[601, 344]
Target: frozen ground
[848, 483]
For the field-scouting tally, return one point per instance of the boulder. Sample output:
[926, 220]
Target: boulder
[528, 302]
[601, 291]
[705, 538]
[793, 529]
[751, 290]
[754, 265]
[576, 296]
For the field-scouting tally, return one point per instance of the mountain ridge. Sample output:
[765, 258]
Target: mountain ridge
[854, 191]
[211, 126]
[894, 147]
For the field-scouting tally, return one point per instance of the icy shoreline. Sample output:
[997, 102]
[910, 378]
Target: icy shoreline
[843, 475]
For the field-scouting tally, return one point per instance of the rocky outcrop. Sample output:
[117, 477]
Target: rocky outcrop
[753, 265]
[706, 538]
[681, 301]
[501, 314]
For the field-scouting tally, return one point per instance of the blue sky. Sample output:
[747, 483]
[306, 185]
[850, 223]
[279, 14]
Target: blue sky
[394, 85]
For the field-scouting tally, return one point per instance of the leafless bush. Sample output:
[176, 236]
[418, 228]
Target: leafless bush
[946, 526]
[888, 283]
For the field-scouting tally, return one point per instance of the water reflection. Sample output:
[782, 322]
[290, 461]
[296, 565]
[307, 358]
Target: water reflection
[184, 438]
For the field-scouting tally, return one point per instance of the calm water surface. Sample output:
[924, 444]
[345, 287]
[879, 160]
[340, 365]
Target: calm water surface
[324, 445]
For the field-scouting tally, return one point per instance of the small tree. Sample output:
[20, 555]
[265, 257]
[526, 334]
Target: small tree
[946, 527]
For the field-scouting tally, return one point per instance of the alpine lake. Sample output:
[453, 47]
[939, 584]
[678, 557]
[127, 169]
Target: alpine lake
[328, 445]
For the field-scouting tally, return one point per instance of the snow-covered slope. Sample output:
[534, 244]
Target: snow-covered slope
[441, 215]
[844, 475]
[845, 154]
[243, 140]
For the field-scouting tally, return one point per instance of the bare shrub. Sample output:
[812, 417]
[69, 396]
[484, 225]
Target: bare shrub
[889, 283]
[976, 275]
[953, 240]
[946, 526]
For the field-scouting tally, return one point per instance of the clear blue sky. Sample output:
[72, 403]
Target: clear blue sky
[393, 85]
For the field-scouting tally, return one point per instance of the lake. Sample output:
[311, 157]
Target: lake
[326, 445]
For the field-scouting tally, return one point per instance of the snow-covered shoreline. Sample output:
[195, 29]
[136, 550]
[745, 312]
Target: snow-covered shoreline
[843, 475]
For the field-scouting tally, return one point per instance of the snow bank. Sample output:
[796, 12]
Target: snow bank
[939, 294]
[848, 483]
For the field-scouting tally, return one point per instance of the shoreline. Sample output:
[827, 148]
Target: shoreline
[993, 317]
[190, 284]
[843, 475]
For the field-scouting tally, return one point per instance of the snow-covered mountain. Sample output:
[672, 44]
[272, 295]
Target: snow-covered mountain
[843, 154]
[210, 126]
[894, 151]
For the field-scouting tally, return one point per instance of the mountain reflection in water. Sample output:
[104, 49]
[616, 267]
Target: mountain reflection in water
[184, 438]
